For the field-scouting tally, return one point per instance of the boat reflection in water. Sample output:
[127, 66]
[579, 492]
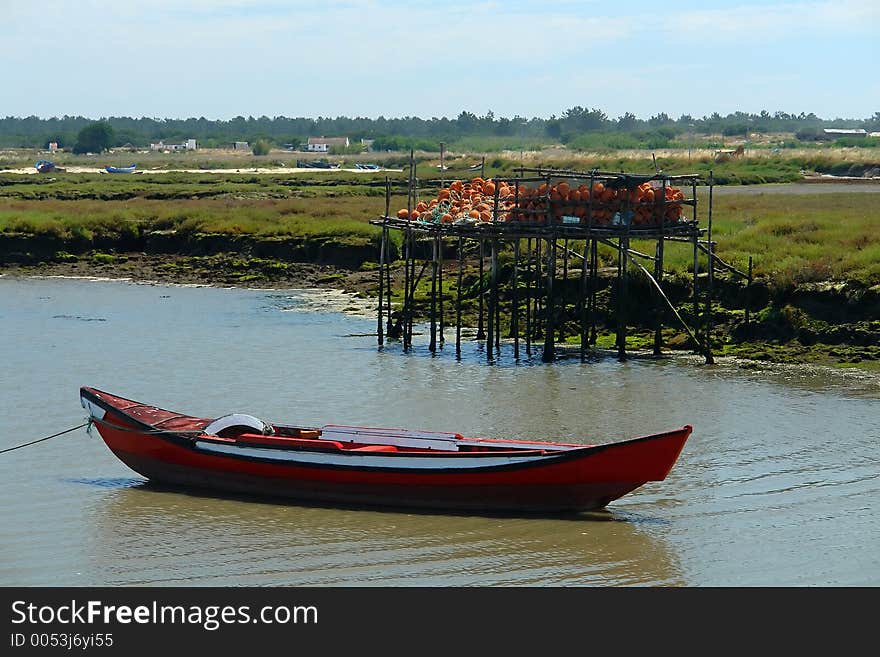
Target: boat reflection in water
[150, 535]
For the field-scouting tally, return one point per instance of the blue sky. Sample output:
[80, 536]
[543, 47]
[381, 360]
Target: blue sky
[223, 58]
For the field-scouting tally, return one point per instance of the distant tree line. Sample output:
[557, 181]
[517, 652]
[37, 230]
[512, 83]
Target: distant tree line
[576, 123]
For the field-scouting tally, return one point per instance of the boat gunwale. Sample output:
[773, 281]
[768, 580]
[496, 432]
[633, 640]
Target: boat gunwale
[190, 442]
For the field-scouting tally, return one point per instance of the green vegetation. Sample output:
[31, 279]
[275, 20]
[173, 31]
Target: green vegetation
[579, 127]
[93, 219]
[94, 138]
[792, 238]
[261, 147]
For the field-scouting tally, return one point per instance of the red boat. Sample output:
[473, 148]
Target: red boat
[376, 466]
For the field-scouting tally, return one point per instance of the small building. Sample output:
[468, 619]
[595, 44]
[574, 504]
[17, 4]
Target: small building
[53, 146]
[836, 133]
[188, 145]
[240, 146]
[324, 144]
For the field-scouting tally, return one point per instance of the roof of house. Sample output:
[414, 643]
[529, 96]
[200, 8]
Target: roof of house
[328, 140]
[845, 131]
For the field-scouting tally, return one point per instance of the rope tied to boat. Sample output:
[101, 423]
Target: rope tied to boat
[87, 423]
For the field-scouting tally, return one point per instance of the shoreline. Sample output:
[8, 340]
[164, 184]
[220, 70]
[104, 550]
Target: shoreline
[361, 285]
[171, 269]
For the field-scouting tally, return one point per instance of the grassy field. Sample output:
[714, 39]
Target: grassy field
[762, 162]
[793, 237]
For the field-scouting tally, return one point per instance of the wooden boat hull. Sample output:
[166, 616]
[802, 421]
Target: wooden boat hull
[576, 479]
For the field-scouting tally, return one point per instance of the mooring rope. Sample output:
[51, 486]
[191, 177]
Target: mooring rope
[39, 440]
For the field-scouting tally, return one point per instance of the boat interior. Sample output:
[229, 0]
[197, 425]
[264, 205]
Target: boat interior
[247, 430]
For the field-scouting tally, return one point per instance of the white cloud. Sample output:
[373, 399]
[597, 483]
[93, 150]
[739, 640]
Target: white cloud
[223, 57]
[747, 22]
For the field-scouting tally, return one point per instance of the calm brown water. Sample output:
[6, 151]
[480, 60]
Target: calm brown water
[778, 485]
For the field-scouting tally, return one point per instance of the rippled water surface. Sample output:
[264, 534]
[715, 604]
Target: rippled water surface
[778, 484]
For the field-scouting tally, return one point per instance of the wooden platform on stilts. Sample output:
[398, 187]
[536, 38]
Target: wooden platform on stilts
[542, 232]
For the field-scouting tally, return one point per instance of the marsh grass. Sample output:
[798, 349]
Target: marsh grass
[792, 237]
[343, 216]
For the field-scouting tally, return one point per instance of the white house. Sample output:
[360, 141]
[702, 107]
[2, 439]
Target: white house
[188, 145]
[324, 144]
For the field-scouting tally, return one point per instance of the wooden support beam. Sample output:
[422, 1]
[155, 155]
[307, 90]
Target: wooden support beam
[458, 296]
[381, 300]
[514, 301]
[549, 353]
[529, 296]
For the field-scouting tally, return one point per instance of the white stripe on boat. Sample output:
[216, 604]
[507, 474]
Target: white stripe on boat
[369, 459]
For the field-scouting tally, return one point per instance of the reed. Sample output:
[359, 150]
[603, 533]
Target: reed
[792, 237]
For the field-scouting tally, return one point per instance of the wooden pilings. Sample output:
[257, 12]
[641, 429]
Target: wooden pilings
[529, 299]
[520, 277]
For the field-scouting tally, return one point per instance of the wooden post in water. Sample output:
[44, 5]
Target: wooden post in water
[583, 303]
[749, 292]
[594, 271]
[563, 286]
[480, 334]
[710, 360]
[490, 329]
[497, 294]
[539, 273]
[387, 241]
[549, 353]
[658, 276]
[381, 305]
[622, 258]
[514, 301]
[696, 236]
[408, 255]
[388, 287]
[441, 324]
[529, 296]
[432, 345]
[594, 289]
[458, 296]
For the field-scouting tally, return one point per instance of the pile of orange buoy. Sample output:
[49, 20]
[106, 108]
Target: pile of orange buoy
[599, 204]
[472, 200]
